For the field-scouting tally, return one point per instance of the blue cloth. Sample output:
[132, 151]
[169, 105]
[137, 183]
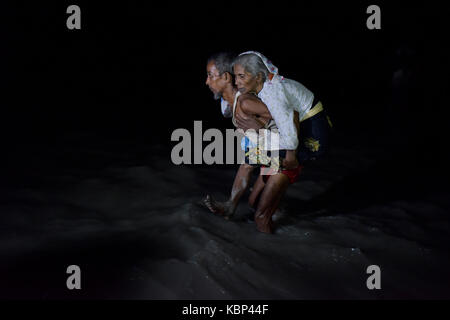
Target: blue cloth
[247, 144]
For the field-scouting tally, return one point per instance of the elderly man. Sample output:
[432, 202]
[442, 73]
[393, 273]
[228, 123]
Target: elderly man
[248, 112]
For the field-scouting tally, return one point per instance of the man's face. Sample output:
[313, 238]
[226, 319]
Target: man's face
[245, 82]
[214, 80]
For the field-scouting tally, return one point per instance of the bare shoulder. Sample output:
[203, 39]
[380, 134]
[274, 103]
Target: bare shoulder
[251, 104]
[248, 97]
[248, 100]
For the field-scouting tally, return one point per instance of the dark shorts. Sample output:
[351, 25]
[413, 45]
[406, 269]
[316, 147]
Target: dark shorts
[314, 137]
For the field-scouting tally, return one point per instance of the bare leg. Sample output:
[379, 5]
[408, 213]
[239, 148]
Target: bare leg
[256, 195]
[257, 189]
[268, 203]
[240, 184]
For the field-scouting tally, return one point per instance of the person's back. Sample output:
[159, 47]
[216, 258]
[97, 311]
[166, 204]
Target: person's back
[300, 98]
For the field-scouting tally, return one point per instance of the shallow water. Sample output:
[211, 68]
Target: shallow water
[131, 220]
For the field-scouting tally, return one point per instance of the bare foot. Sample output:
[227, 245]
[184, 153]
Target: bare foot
[221, 208]
[264, 224]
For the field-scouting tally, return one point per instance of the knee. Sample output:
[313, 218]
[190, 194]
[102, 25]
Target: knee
[247, 167]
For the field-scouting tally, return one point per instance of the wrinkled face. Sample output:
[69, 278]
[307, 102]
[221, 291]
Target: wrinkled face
[245, 82]
[214, 80]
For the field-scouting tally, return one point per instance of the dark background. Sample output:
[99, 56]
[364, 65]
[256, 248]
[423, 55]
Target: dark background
[134, 64]
[135, 72]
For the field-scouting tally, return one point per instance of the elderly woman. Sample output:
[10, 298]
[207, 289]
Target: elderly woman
[261, 147]
[289, 103]
[302, 122]
[296, 111]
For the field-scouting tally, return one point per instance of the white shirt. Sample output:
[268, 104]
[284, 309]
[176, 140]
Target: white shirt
[226, 109]
[282, 97]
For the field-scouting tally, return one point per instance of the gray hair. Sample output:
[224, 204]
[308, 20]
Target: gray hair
[223, 61]
[252, 64]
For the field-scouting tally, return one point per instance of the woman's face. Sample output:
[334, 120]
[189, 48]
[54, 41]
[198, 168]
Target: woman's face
[244, 81]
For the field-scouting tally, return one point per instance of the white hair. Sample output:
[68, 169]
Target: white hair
[252, 64]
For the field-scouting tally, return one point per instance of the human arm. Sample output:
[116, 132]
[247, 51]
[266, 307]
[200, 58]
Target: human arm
[246, 122]
[251, 113]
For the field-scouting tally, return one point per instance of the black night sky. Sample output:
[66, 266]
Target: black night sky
[87, 115]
